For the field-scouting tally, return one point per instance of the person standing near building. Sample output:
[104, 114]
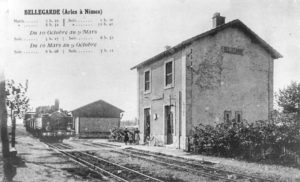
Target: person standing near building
[137, 136]
[131, 137]
[126, 137]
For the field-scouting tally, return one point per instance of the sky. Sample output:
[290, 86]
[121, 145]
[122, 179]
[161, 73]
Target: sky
[142, 29]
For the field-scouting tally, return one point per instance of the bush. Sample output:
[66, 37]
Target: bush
[117, 134]
[273, 141]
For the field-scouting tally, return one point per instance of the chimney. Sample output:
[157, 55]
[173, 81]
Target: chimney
[56, 104]
[218, 20]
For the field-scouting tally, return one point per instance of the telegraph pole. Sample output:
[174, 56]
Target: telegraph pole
[3, 117]
[297, 112]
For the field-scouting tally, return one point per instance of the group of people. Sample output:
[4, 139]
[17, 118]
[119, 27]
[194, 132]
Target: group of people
[125, 135]
[131, 137]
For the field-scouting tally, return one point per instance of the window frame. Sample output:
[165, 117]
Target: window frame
[173, 73]
[144, 81]
[236, 116]
[225, 114]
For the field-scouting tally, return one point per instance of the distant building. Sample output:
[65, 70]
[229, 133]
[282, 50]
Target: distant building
[96, 119]
[48, 109]
[223, 74]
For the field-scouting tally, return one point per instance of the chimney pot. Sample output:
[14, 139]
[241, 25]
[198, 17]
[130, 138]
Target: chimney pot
[216, 14]
[218, 20]
[167, 47]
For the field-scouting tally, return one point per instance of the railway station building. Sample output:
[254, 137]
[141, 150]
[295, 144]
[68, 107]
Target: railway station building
[95, 120]
[222, 74]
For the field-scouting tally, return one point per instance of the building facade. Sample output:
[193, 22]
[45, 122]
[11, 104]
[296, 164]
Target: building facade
[223, 74]
[95, 120]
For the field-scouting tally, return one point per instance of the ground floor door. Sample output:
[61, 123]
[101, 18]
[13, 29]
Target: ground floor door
[147, 124]
[169, 124]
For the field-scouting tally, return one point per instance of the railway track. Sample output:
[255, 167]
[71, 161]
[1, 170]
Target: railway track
[61, 146]
[99, 144]
[107, 145]
[199, 169]
[104, 167]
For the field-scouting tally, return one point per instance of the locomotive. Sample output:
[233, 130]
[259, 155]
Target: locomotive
[49, 123]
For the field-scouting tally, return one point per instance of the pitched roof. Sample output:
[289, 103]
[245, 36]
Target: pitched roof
[234, 24]
[98, 109]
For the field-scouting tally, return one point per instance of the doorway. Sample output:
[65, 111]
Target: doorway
[169, 124]
[147, 124]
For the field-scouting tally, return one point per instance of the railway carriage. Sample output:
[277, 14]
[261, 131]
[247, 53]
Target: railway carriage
[28, 121]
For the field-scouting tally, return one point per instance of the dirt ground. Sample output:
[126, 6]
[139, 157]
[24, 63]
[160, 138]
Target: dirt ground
[36, 162]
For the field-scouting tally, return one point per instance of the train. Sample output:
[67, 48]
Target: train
[49, 124]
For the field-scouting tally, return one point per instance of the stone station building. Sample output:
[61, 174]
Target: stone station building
[223, 74]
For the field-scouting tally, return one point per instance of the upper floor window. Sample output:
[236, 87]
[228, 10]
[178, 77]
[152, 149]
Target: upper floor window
[238, 116]
[147, 79]
[227, 116]
[169, 73]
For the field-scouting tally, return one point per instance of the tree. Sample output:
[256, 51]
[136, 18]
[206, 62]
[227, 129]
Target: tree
[289, 98]
[17, 102]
